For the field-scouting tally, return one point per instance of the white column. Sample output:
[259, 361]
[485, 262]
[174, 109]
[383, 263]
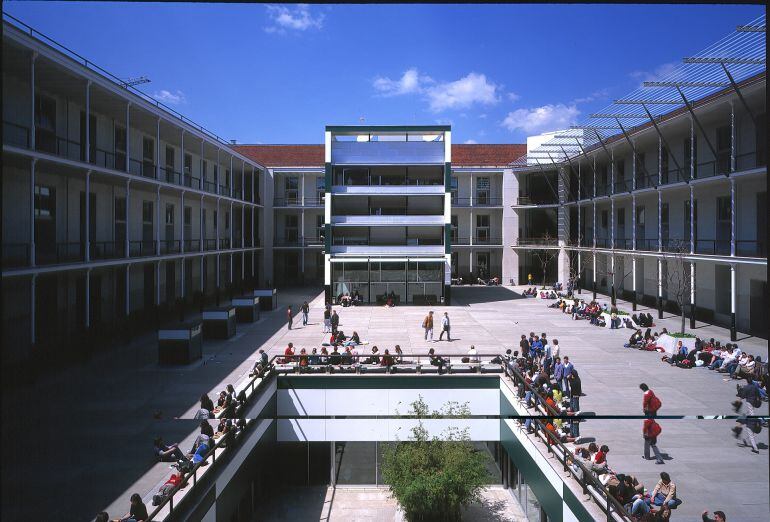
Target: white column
[633, 221]
[157, 224]
[660, 278]
[88, 297]
[32, 212]
[733, 289]
[202, 234]
[594, 219]
[181, 235]
[692, 219]
[88, 122]
[633, 274]
[88, 216]
[693, 159]
[157, 149]
[733, 217]
[128, 137]
[181, 159]
[660, 219]
[32, 87]
[470, 236]
[32, 306]
[660, 160]
[128, 213]
[692, 283]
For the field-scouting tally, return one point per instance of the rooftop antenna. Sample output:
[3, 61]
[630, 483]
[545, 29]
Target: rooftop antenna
[130, 82]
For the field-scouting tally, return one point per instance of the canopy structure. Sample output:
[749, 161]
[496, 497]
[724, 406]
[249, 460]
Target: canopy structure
[736, 58]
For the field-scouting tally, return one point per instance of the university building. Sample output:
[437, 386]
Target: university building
[118, 211]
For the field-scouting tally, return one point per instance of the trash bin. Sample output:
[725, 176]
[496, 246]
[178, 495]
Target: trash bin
[180, 343]
[246, 309]
[219, 323]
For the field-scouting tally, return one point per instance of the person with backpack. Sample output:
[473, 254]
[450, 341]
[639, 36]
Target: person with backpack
[650, 431]
[650, 402]
[427, 325]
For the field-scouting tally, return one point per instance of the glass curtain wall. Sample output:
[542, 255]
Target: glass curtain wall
[414, 282]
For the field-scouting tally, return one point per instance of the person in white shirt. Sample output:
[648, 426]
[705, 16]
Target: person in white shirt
[445, 328]
[473, 355]
[555, 348]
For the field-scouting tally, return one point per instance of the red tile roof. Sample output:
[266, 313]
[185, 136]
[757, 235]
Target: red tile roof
[475, 155]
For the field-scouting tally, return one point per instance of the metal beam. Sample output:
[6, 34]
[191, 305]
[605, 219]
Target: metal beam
[633, 149]
[749, 61]
[685, 84]
[697, 122]
[648, 102]
[593, 127]
[751, 28]
[616, 116]
[740, 95]
[660, 135]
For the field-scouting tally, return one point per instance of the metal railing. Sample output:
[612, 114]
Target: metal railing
[477, 202]
[647, 244]
[713, 246]
[603, 190]
[224, 243]
[643, 182]
[107, 249]
[622, 185]
[624, 244]
[209, 186]
[488, 240]
[529, 200]
[675, 175]
[751, 248]
[170, 246]
[15, 134]
[142, 248]
[521, 241]
[209, 244]
[192, 245]
[60, 253]
[15, 255]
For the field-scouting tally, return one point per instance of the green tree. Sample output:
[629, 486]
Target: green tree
[433, 478]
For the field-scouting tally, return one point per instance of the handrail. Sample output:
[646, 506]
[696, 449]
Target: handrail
[588, 477]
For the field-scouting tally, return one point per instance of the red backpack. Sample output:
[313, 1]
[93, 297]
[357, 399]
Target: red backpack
[655, 403]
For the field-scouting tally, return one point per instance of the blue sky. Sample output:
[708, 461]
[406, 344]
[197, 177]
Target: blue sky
[277, 74]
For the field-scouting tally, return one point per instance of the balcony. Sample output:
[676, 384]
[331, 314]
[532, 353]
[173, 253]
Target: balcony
[680, 175]
[477, 202]
[425, 189]
[192, 245]
[751, 160]
[297, 202]
[647, 244]
[59, 253]
[624, 244]
[537, 242]
[603, 190]
[142, 248]
[15, 135]
[408, 246]
[621, 186]
[107, 250]
[388, 220]
[209, 244]
[719, 247]
[530, 201]
[644, 182]
[388, 152]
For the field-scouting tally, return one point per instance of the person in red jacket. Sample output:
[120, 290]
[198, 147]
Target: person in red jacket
[650, 431]
[650, 402]
[288, 352]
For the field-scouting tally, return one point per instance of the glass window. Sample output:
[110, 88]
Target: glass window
[45, 202]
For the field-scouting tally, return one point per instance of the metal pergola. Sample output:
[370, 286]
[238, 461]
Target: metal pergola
[727, 63]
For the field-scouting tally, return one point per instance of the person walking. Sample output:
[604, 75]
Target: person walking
[289, 316]
[427, 324]
[335, 321]
[650, 402]
[445, 328]
[327, 320]
[305, 309]
[568, 369]
[651, 431]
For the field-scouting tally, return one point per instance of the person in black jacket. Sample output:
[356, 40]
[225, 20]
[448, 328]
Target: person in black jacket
[576, 390]
[207, 404]
[719, 516]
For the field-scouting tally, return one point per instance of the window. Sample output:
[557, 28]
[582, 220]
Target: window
[620, 170]
[291, 231]
[320, 228]
[664, 164]
[119, 219]
[188, 164]
[216, 219]
[120, 148]
[761, 139]
[169, 222]
[320, 187]
[453, 185]
[147, 220]
[621, 232]
[291, 185]
[45, 123]
[453, 229]
[148, 157]
[187, 232]
[640, 173]
[723, 232]
[482, 191]
[227, 220]
[482, 229]
[605, 218]
[724, 149]
[45, 203]
[227, 177]
[664, 223]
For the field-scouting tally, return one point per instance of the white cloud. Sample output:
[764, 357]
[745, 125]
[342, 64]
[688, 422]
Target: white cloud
[410, 82]
[483, 116]
[659, 73]
[170, 98]
[462, 93]
[596, 95]
[297, 18]
[512, 96]
[471, 89]
[470, 142]
[542, 119]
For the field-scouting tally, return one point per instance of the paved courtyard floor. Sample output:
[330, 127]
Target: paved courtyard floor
[374, 504]
[96, 421]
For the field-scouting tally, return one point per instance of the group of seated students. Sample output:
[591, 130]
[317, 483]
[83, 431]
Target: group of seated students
[549, 293]
[350, 354]
[346, 299]
[227, 406]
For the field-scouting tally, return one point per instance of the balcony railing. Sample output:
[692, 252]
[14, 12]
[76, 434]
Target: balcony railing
[107, 249]
[622, 185]
[192, 245]
[603, 190]
[624, 244]
[144, 169]
[297, 202]
[59, 253]
[675, 175]
[719, 247]
[529, 200]
[237, 240]
[647, 244]
[291, 242]
[549, 242]
[603, 242]
[170, 246]
[649, 181]
[224, 190]
[15, 134]
[751, 248]
[477, 202]
[15, 255]
[142, 248]
[750, 160]
[169, 175]
[487, 240]
[224, 243]
[209, 244]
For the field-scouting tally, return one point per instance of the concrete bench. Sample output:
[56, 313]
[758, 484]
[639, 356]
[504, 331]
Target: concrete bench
[373, 368]
[405, 368]
[491, 368]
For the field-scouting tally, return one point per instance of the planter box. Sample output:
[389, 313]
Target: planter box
[268, 298]
[246, 309]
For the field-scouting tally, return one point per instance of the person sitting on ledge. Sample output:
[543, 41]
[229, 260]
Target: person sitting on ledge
[387, 359]
[635, 340]
[167, 453]
[335, 358]
[354, 339]
[436, 360]
[313, 359]
[288, 353]
[207, 404]
[137, 512]
[303, 360]
[399, 357]
[347, 356]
